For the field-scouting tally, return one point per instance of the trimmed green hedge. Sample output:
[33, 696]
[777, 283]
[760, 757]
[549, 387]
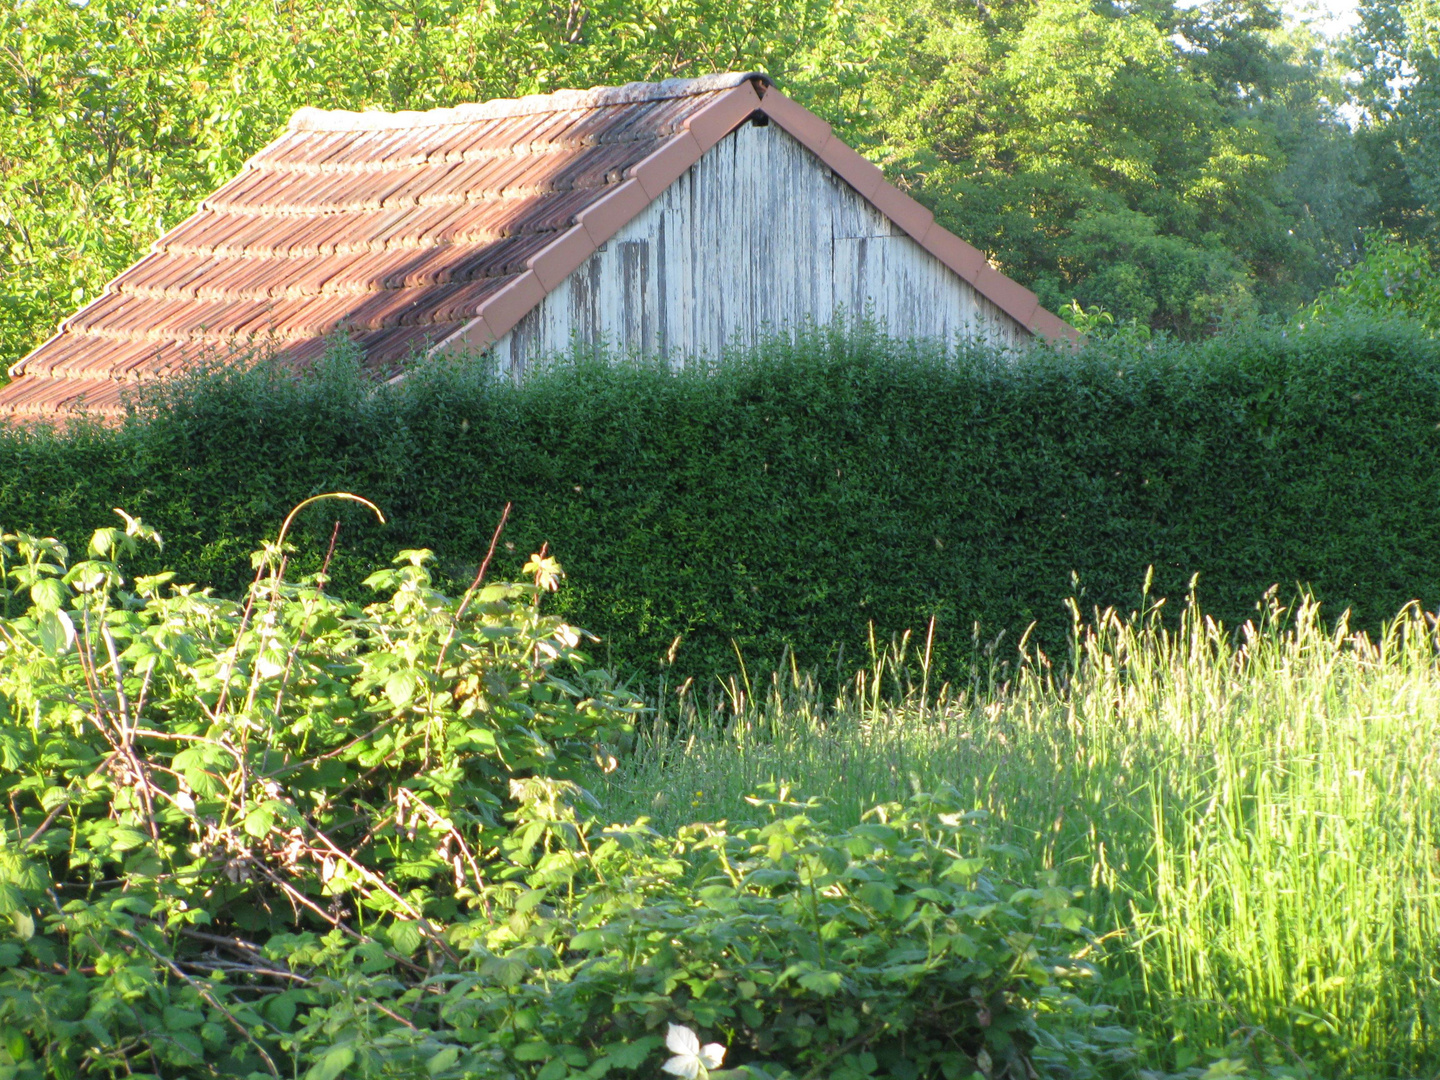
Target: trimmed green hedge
[795, 496]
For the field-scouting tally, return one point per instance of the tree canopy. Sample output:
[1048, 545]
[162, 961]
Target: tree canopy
[1181, 168]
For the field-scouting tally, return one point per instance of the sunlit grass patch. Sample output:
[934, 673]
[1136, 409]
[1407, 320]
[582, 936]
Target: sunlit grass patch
[1253, 814]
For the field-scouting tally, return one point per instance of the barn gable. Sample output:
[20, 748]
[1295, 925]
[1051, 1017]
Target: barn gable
[757, 235]
[657, 216]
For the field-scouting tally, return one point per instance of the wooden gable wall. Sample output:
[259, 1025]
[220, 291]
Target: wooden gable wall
[758, 235]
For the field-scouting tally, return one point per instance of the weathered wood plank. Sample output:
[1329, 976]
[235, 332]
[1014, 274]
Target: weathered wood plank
[759, 235]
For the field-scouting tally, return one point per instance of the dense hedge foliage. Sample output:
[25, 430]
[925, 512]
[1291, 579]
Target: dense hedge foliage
[297, 836]
[795, 496]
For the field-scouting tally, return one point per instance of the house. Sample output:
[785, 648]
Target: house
[673, 218]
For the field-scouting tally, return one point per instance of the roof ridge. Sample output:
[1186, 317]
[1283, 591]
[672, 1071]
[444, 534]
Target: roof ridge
[312, 119]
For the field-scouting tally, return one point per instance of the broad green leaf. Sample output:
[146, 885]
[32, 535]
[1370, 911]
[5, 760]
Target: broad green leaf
[824, 983]
[189, 1042]
[49, 594]
[178, 1019]
[400, 688]
[281, 1009]
[963, 870]
[56, 632]
[270, 661]
[445, 1059]
[332, 1064]
[875, 895]
[587, 939]
[508, 971]
[125, 838]
[260, 820]
[406, 937]
[631, 1055]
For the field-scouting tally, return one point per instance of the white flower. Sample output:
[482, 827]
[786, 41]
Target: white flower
[691, 1060]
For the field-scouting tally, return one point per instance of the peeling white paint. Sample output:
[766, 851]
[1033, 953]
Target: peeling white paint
[758, 236]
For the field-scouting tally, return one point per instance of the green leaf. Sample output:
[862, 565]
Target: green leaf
[332, 1065]
[49, 594]
[56, 632]
[270, 662]
[24, 924]
[178, 1019]
[190, 1043]
[400, 688]
[445, 1059]
[874, 894]
[259, 821]
[281, 1009]
[963, 870]
[124, 838]
[767, 877]
[405, 936]
[631, 1055]
[555, 1069]
[509, 971]
[531, 1051]
[587, 940]
[824, 983]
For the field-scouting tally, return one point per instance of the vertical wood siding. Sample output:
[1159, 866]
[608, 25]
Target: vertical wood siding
[759, 235]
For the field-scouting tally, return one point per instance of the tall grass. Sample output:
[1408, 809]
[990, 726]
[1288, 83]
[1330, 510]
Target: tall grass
[1254, 816]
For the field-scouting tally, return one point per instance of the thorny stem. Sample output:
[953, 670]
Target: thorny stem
[127, 738]
[474, 585]
[414, 912]
[320, 581]
[260, 573]
[200, 989]
[297, 897]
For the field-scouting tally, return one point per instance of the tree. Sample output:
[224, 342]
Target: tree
[1181, 167]
[1396, 54]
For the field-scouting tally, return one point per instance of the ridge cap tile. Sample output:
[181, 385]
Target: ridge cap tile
[313, 119]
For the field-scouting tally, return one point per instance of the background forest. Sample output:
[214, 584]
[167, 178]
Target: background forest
[1180, 168]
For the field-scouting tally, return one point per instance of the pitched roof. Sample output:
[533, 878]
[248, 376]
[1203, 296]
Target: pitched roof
[427, 230]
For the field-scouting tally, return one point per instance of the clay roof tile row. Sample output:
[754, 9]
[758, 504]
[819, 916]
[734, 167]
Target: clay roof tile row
[410, 232]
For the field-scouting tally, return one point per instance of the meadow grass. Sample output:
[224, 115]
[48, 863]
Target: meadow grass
[1253, 816]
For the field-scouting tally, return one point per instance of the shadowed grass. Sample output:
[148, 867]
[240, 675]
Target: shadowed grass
[1255, 816]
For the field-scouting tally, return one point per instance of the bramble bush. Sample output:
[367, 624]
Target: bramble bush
[288, 834]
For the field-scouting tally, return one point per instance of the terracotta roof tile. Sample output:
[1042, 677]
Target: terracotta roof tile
[54, 398]
[402, 230]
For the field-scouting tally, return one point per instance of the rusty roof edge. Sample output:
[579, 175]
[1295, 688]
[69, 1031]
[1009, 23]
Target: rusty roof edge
[1016, 301]
[312, 119]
